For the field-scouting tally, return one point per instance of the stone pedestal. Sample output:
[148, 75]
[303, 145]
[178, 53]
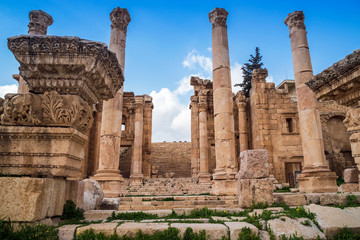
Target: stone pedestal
[223, 99]
[255, 184]
[316, 175]
[108, 174]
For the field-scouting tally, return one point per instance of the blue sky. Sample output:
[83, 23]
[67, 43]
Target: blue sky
[168, 41]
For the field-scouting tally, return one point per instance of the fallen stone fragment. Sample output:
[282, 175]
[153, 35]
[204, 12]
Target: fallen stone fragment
[235, 229]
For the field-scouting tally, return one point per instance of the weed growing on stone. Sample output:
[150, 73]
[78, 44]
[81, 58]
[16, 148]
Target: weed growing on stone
[259, 205]
[284, 189]
[26, 232]
[71, 212]
[136, 216]
[346, 233]
[306, 223]
[168, 234]
[292, 237]
[246, 234]
[339, 181]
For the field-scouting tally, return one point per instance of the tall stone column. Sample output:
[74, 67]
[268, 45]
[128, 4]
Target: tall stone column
[204, 175]
[148, 107]
[136, 176]
[108, 173]
[316, 175]
[243, 129]
[194, 137]
[223, 106]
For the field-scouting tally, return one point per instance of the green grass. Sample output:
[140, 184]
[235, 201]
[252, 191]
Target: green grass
[347, 234]
[168, 234]
[284, 189]
[71, 212]
[246, 234]
[26, 232]
[339, 181]
[136, 216]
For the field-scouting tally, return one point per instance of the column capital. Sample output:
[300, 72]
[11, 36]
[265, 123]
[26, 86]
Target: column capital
[295, 19]
[120, 18]
[218, 17]
[240, 101]
[202, 104]
[39, 22]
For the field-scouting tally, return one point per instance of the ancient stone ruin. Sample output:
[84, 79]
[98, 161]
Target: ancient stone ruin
[72, 133]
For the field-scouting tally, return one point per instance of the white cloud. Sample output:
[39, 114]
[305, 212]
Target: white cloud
[194, 60]
[209, 49]
[184, 86]
[170, 120]
[270, 78]
[236, 76]
[8, 89]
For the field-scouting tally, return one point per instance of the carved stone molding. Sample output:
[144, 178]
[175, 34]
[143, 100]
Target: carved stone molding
[120, 18]
[218, 17]
[339, 82]
[295, 19]
[69, 65]
[259, 75]
[39, 22]
[352, 120]
[49, 109]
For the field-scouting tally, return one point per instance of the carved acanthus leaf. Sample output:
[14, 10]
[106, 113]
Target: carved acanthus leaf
[352, 120]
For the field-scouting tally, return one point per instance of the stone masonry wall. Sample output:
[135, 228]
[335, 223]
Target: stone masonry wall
[172, 157]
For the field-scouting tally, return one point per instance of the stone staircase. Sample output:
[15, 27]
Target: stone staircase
[165, 187]
[175, 202]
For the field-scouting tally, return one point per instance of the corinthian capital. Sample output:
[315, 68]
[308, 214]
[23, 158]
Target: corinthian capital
[240, 100]
[295, 19]
[120, 18]
[218, 17]
[39, 22]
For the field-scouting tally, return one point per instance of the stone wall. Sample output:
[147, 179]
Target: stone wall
[172, 157]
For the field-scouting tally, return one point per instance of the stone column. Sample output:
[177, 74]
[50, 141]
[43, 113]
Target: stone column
[39, 22]
[194, 136]
[204, 175]
[147, 136]
[108, 173]
[316, 175]
[136, 176]
[243, 129]
[223, 105]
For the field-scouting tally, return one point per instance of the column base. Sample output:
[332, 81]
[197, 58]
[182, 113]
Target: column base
[224, 187]
[110, 182]
[204, 178]
[222, 174]
[317, 182]
[136, 179]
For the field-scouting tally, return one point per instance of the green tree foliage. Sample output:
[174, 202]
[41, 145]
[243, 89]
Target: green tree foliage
[247, 70]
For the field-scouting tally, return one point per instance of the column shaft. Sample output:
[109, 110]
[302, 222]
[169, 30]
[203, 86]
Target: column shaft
[204, 175]
[194, 139]
[136, 158]
[309, 117]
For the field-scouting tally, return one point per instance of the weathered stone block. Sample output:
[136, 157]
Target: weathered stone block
[292, 226]
[130, 229]
[255, 190]
[213, 231]
[224, 187]
[349, 187]
[333, 199]
[290, 199]
[351, 175]
[42, 151]
[235, 229]
[31, 199]
[106, 228]
[66, 232]
[254, 164]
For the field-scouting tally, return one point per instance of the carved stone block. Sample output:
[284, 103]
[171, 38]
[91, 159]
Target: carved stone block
[41, 151]
[69, 65]
[255, 190]
[254, 164]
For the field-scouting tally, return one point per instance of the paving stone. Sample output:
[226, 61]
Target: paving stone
[275, 209]
[313, 198]
[160, 213]
[185, 211]
[214, 231]
[205, 220]
[237, 218]
[264, 235]
[220, 218]
[235, 229]
[66, 232]
[290, 199]
[153, 220]
[331, 219]
[294, 226]
[333, 199]
[106, 228]
[94, 215]
[130, 229]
